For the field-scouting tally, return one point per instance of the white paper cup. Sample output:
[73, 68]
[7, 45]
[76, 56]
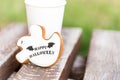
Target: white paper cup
[47, 13]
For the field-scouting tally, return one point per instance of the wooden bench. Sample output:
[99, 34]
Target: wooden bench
[102, 62]
[8, 63]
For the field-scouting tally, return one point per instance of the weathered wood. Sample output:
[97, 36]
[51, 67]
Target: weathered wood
[77, 72]
[78, 68]
[103, 62]
[8, 39]
[12, 76]
[70, 79]
[62, 69]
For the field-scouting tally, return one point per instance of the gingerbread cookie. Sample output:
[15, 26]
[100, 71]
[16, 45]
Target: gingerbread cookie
[38, 49]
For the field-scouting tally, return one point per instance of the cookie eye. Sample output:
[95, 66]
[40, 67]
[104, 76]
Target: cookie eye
[21, 42]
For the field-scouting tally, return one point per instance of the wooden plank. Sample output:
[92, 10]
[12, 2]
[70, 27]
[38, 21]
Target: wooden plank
[12, 76]
[77, 72]
[61, 70]
[70, 79]
[8, 39]
[103, 62]
[78, 68]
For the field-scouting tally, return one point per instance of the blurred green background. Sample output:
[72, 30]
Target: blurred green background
[86, 14]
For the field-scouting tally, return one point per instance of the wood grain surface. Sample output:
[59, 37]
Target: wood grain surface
[77, 72]
[62, 69]
[12, 76]
[8, 39]
[103, 61]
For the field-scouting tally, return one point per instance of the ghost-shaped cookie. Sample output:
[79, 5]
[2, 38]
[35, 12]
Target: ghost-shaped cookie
[38, 49]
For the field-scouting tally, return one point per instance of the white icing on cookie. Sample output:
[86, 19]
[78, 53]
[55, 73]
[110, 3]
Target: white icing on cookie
[40, 51]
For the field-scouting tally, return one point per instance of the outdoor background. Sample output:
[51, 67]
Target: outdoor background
[85, 14]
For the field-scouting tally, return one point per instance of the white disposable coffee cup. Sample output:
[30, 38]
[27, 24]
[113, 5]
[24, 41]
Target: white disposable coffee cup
[47, 13]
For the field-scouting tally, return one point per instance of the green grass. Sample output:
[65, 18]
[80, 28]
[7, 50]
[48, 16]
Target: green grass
[92, 14]
[86, 14]
[12, 11]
